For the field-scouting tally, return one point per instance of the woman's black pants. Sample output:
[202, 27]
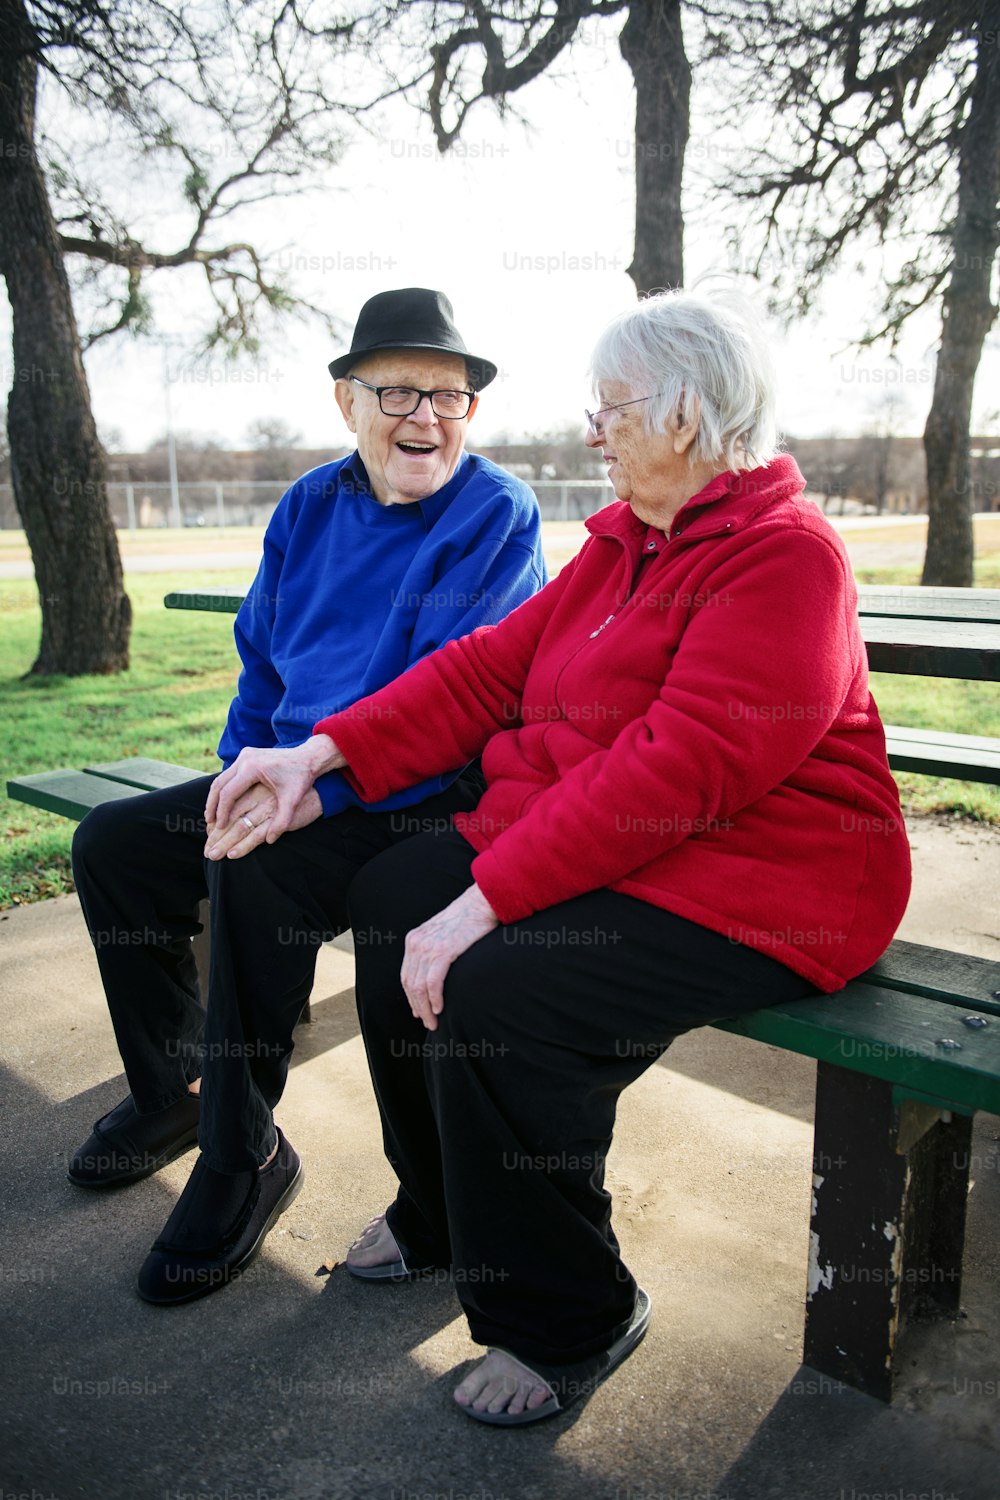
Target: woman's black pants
[498, 1123]
[140, 874]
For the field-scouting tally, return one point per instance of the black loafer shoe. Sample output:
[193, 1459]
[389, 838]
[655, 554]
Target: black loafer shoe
[217, 1227]
[127, 1146]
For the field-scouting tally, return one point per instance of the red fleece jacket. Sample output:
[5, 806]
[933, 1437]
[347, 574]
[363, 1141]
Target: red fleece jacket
[708, 744]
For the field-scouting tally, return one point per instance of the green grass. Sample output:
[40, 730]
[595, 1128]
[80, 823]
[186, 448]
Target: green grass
[172, 704]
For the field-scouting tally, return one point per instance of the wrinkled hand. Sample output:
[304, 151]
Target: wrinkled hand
[287, 773]
[432, 948]
[252, 820]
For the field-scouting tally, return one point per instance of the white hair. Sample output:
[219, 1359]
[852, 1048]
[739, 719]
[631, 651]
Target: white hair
[698, 357]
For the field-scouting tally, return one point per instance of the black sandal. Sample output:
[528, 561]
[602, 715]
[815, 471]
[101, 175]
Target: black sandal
[569, 1383]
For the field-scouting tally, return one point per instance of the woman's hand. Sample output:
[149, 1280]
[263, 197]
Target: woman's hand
[251, 821]
[432, 948]
[287, 773]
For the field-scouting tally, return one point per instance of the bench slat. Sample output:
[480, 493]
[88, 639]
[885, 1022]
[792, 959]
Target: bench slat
[224, 601]
[907, 735]
[148, 775]
[871, 1029]
[957, 978]
[933, 648]
[71, 794]
[920, 603]
[967, 757]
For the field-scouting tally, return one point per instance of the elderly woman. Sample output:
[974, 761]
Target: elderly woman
[688, 815]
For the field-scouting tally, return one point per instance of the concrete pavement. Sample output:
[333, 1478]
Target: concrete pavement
[293, 1385]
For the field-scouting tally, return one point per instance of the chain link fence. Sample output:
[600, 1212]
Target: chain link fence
[138, 507]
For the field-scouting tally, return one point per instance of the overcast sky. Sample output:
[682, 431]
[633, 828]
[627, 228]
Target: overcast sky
[529, 232]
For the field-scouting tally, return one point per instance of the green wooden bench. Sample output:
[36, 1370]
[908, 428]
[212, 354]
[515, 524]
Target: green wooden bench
[72, 794]
[906, 1055]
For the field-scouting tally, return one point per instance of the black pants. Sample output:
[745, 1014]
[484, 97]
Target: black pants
[140, 874]
[498, 1123]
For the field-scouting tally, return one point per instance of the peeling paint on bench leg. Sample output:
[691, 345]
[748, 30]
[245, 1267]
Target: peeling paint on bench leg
[857, 1240]
[819, 1275]
[893, 1232]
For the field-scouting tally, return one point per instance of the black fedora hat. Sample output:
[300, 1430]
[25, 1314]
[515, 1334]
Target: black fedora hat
[412, 318]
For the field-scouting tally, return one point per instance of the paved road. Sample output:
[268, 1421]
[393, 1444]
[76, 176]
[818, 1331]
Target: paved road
[558, 551]
[161, 562]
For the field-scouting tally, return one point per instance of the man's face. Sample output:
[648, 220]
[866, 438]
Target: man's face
[407, 458]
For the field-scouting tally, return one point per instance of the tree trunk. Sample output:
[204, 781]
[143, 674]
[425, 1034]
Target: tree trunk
[967, 316]
[57, 465]
[652, 43]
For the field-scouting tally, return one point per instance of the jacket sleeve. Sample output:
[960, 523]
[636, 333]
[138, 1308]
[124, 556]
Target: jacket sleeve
[260, 688]
[753, 687]
[482, 587]
[442, 713]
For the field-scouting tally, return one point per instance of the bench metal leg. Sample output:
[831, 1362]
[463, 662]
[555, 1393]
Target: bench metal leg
[888, 1224]
[202, 949]
[201, 946]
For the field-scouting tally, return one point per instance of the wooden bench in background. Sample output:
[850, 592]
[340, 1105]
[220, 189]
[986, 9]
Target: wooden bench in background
[917, 631]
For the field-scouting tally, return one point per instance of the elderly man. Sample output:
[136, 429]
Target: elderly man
[369, 564]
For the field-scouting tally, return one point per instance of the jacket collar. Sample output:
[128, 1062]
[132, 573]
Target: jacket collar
[728, 502]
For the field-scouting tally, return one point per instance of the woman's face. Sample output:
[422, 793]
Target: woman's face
[646, 469]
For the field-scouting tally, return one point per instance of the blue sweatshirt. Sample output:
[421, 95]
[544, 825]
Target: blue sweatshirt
[349, 593]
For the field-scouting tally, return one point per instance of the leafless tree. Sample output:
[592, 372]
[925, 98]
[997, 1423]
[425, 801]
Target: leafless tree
[215, 105]
[457, 53]
[885, 140]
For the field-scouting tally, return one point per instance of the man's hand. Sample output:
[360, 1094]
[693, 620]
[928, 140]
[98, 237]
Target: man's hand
[432, 948]
[252, 820]
[286, 773]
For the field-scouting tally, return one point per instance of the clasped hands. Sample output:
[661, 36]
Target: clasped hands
[268, 792]
[265, 793]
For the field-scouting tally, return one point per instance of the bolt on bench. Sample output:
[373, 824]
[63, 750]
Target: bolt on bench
[906, 1054]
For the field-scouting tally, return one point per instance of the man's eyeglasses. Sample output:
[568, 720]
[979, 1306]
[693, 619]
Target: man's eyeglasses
[403, 400]
[594, 417]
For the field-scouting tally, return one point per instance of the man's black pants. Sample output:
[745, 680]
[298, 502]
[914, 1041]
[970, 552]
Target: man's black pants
[498, 1123]
[141, 874]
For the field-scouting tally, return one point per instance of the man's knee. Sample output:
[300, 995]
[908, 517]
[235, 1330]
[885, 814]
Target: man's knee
[267, 871]
[102, 834]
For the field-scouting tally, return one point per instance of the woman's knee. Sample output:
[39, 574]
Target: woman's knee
[479, 992]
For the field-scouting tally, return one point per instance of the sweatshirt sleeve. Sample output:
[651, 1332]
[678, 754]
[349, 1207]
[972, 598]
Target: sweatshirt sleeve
[260, 688]
[481, 588]
[442, 713]
[753, 687]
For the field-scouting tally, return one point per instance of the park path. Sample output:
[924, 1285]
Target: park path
[871, 541]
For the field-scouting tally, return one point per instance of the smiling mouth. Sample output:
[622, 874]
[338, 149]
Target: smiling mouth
[416, 450]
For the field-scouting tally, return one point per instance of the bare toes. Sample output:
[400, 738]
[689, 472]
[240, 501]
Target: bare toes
[498, 1384]
[375, 1245]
